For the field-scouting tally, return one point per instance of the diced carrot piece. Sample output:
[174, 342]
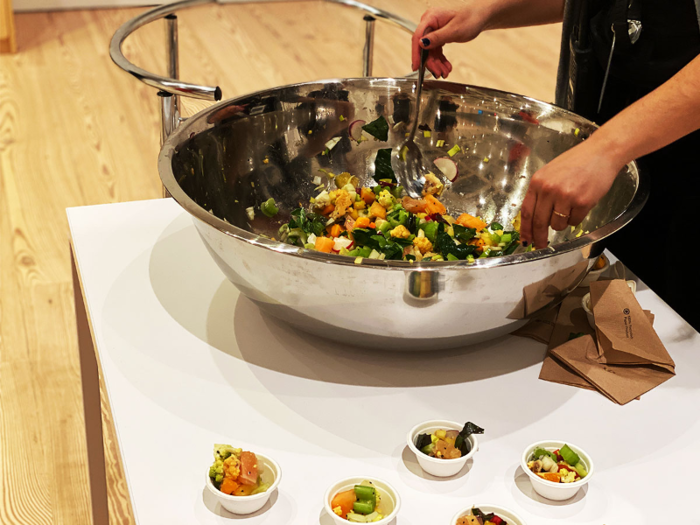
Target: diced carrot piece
[334, 230]
[328, 210]
[469, 221]
[377, 210]
[345, 501]
[362, 222]
[432, 205]
[372, 225]
[228, 485]
[324, 244]
[367, 195]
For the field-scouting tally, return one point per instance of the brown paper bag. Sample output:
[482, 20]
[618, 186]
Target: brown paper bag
[621, 384]
[625, 335]
[573, 363]
[571, 321]
[540, 328]
[541, 293]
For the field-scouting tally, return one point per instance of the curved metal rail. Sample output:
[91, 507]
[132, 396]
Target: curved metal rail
[176, 87]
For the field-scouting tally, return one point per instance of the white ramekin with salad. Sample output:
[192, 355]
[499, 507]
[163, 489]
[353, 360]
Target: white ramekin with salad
[557, 469]
[362, 500]
[242, 481]
[442, 447]
[487, 515]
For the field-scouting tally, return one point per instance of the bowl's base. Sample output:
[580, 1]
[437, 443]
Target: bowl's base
[342, 335]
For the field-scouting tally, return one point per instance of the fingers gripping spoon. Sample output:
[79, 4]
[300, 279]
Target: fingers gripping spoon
[408, 161]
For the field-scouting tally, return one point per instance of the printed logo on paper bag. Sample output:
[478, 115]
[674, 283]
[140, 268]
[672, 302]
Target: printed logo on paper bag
[628, 324]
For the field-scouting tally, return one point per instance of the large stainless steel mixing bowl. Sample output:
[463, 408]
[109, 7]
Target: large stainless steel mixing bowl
[241, 152]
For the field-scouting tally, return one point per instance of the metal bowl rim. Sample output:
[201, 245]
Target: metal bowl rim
[168, 180]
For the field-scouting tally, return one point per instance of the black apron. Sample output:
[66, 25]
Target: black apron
[660, 244]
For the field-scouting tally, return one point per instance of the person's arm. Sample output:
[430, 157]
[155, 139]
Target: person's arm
[470, 19]
[576, 180]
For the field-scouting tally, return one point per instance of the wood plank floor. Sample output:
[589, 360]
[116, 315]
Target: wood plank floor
[75, 130]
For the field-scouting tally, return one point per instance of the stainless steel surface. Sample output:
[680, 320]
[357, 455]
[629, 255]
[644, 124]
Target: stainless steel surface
[173, 55]
[170, 85]
[213, 93]
[168, 121]
[241, 152]
[368, 50]
[407, 160]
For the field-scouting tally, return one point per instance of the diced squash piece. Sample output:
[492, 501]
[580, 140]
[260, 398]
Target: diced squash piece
[244, 490]
[328, 210]
[359, 205]
[324, 244]
[432, 205]
[367, 195]
[362, 222]
[469, 221]
[377, 210]
[228, 485]
[345, 501]
[550, 476]
[445, 450]
[334, 230]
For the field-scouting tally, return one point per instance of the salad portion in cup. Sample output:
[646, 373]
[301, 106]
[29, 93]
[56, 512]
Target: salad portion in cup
[360, 504]
[447, 444]
[476, 516]
[559, 466]
[237, 472]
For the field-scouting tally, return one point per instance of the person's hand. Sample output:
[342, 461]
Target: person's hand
[563, 192]
[444, 26]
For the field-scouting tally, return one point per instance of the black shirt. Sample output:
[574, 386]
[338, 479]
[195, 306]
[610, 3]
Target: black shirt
[669, 40]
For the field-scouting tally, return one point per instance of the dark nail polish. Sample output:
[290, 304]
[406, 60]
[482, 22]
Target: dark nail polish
[425, 42]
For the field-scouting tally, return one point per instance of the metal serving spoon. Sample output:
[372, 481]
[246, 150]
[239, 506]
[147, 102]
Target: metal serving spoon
[407, 159]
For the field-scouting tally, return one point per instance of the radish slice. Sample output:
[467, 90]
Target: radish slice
[342, 242]
[355, 129]
[448, 167]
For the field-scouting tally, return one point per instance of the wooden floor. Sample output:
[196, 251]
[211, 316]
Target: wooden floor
[75, 130]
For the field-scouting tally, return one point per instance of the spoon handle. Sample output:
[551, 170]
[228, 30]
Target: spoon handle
[419, 90]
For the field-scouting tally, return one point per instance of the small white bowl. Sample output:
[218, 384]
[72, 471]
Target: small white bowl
[506, 514]
[386, 491]
[594, 275]
[586, 303]
[441, 468]
[549, 489]
[271, 473]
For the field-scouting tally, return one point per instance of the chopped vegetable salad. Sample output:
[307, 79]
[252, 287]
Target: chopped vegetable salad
[380, 222]
[478, 517]
[360, 504]
[236, 472]
[560, 466]
[447, 444]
